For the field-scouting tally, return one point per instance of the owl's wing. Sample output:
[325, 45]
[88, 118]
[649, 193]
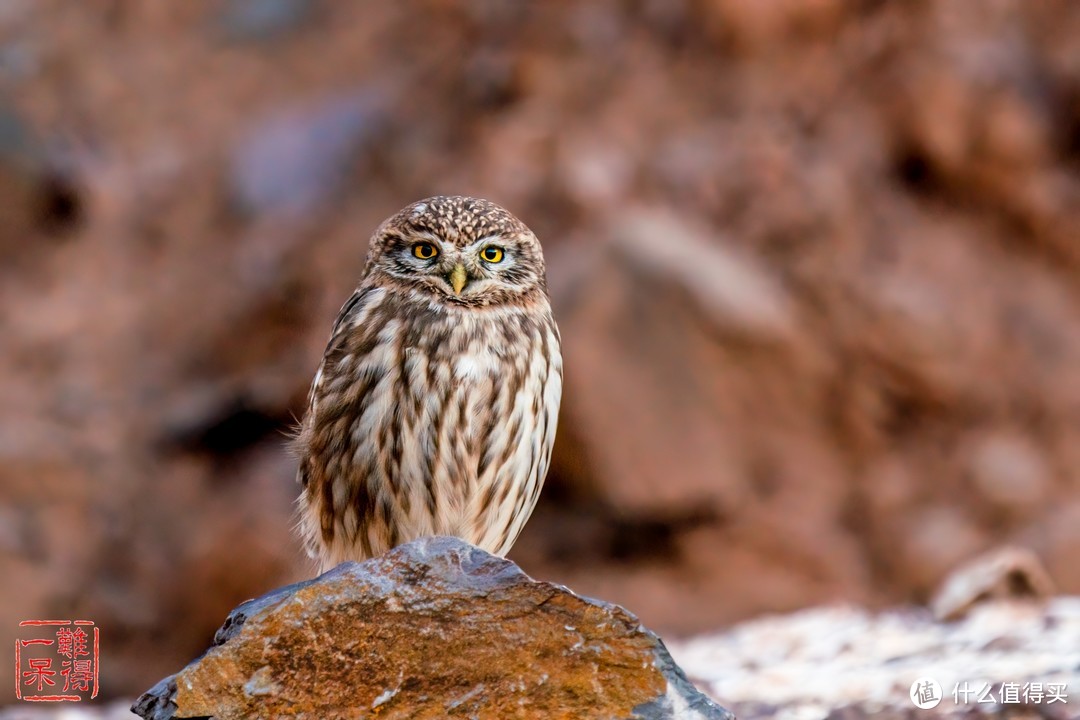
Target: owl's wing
[337, 337]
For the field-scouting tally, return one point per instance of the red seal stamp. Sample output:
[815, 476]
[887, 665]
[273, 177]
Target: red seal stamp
[57, 660]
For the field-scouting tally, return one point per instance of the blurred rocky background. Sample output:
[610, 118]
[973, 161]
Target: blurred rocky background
[816, 264]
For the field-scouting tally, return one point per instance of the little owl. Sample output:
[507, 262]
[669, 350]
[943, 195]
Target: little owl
[434, 409]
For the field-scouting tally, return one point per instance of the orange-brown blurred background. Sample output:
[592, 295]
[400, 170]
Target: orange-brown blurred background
[816, 264]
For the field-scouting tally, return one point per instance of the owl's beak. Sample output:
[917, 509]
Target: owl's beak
[458, 278]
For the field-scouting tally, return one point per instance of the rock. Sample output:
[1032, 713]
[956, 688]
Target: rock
[668, 310]
[734, 291]
[433, 627]
[1010, 472]
[845, 662]
[118, 710]
[292, 163]
[1006, 573]
[261, 20]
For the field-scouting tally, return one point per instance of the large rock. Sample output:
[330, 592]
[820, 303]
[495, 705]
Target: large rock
[433, 628]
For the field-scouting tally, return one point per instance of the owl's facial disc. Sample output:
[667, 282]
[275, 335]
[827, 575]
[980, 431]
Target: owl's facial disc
[459, 252]
[460, 274]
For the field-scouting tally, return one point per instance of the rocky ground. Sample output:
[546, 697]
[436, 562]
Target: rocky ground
[1005, 659]
[438, 628]
[815, 265]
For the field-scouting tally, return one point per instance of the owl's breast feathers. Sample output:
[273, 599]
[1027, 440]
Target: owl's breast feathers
[428, 419]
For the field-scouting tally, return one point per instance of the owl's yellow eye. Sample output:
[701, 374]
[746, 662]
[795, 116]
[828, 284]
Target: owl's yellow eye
[424, 250]
[492, 254]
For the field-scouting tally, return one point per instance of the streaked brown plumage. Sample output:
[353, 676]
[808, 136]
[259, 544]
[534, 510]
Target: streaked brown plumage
[434, 409]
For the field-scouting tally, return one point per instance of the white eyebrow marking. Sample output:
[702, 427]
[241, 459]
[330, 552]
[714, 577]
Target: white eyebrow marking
[484, 240]
[425, 235]
[419, 209]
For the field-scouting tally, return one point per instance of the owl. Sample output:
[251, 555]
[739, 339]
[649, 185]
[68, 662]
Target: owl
[435, 406]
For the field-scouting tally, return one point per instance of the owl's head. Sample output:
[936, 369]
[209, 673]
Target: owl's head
[461, 250]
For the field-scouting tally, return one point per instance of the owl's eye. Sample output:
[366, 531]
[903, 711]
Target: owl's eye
[424, 250]
[492, 254]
